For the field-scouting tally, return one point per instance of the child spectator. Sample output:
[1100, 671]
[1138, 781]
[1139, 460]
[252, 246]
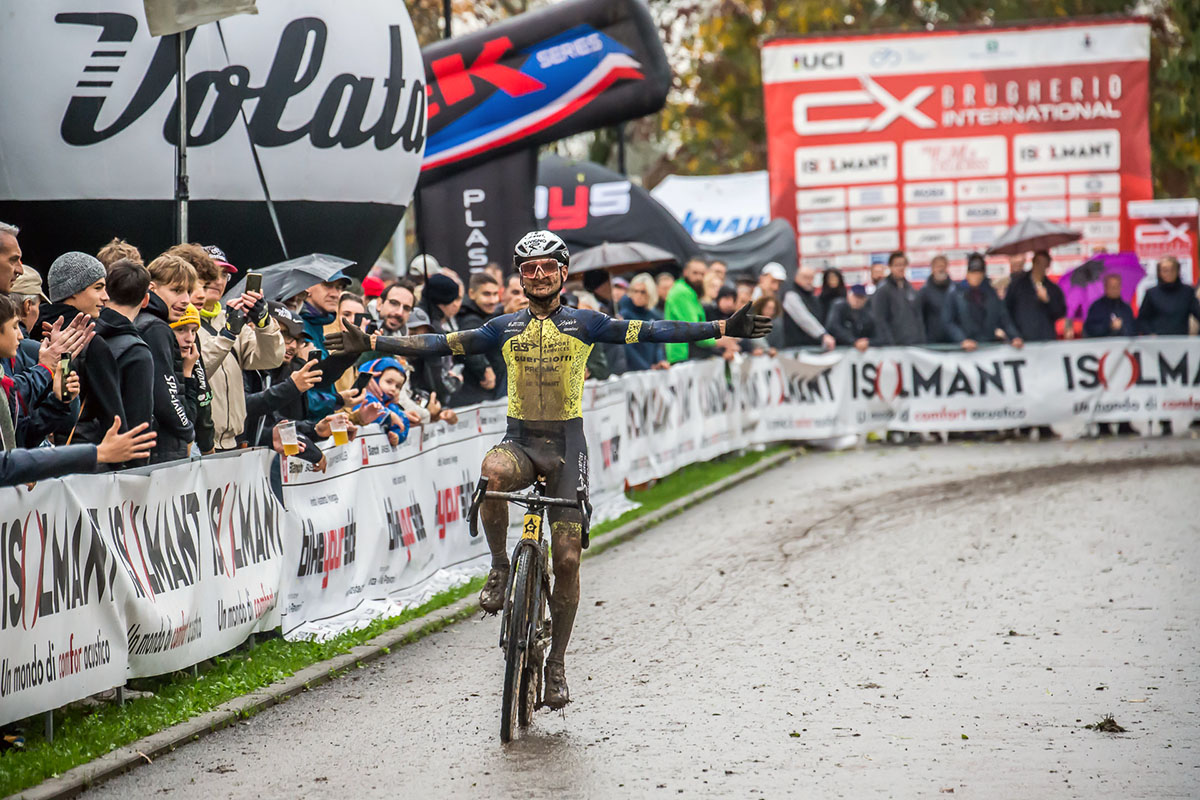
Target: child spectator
[171, 283]
[387, 380]
[197, 395]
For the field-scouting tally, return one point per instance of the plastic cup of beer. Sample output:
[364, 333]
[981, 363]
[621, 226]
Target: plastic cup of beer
[287, 436]
[338, 425]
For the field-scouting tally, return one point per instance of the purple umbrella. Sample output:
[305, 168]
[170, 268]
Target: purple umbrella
[1084, 285]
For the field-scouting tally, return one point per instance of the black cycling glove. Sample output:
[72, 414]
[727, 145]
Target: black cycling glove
[235, 320]
[744, 325]
[259, 312]
[352, 339]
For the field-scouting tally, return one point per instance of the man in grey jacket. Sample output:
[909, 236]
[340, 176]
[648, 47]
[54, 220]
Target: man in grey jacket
[897, 316]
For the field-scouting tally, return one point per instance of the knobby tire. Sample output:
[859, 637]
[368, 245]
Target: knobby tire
[518, 639]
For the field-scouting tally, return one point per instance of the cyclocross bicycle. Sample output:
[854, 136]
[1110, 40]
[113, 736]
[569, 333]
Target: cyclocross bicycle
[525, 623]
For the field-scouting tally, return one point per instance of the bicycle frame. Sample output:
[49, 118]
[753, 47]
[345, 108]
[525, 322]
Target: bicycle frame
[526, 645]
[535, 503]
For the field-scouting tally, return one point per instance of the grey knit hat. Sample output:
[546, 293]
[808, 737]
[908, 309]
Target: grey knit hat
[72, 272]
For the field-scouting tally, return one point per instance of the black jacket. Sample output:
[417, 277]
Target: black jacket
[171, 419]
[975, 314]
[1166, 307]
[134, 364]
[1100, 314]
[469, 317]
[847, 325]
[793, 334]
[930, 301]
[99, 388]
[1033, 318]
[200, 396]
[898, 320]
[271, 397]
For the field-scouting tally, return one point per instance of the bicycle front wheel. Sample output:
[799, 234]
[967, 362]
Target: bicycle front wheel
[518, 640]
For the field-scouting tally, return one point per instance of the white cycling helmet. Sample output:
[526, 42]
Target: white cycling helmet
[541, 244]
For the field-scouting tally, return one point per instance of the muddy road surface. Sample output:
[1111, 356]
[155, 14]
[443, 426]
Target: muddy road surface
[891, 622]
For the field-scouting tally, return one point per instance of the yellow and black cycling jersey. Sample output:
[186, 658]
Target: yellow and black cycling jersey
[546, 358]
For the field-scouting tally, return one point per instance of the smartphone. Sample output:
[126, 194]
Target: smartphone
[360, 320]
[361, 382]
[253, 281]
[64, 371]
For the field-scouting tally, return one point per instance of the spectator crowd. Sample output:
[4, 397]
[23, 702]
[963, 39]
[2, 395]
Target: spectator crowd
[1025, 305]
[108, 363]
[118, 363]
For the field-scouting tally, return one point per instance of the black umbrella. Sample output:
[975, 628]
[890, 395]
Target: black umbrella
[290, 278]
[588, 205]
[619, 257]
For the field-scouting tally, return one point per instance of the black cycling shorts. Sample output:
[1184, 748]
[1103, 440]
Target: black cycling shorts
[556, 450]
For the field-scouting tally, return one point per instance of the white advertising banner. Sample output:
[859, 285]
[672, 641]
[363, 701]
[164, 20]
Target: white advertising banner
[383, 528]
[202, 550]
[333, 97]
[107, 577]
[713, 208]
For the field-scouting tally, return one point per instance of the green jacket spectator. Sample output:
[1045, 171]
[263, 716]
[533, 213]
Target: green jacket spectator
[683, 304]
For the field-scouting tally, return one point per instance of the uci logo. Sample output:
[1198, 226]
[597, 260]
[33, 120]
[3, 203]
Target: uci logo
[832, 59]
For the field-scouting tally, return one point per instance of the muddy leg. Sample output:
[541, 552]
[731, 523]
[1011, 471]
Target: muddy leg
[564, 599]
[507, 470]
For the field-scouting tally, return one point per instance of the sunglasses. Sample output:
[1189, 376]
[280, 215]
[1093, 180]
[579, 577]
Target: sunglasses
[541, 267]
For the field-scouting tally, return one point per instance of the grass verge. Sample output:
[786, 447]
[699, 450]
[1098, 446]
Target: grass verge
[83, 734]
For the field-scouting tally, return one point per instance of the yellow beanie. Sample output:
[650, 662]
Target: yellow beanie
[190, 317]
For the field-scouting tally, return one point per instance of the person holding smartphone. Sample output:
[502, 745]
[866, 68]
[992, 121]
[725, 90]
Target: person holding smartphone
[236, 334]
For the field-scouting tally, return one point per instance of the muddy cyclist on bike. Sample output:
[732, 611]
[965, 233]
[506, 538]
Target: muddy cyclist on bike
[545, 348]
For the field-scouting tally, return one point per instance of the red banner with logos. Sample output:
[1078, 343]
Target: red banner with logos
[1160, 228]
[936, 142]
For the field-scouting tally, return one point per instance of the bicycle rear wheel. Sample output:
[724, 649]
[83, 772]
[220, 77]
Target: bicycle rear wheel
[518, 639]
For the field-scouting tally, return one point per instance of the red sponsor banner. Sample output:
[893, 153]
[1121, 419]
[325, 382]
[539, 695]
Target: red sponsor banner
[1160, 228]
[937, 142]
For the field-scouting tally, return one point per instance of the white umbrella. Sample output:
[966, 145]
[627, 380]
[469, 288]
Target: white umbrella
[1032, 234]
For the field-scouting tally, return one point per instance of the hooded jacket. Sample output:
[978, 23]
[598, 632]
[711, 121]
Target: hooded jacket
[100, 393]
[225, 357]
[1166, 307]
[469, 317]
[171, 419]
[134, 364]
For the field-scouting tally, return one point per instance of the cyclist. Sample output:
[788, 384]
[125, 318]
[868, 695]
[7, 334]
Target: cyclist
[545, 347]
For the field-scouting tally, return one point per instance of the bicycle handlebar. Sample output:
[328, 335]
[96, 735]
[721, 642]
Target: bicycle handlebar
[528, 499]
[532, 498]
